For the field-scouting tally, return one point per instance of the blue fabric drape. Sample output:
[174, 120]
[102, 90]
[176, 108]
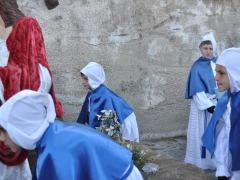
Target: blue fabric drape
[103, 98]
[234, 140]
[70, 151]
[208, 137]
[201, 78]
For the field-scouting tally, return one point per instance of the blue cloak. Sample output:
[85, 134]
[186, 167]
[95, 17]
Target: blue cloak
[201, 78]
[103, 98]
[234, 142]
[70, 151]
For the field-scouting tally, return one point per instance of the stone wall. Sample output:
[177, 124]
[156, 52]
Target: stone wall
[145, 46]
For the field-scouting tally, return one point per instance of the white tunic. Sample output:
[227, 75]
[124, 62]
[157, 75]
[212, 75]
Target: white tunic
[135, 174]
[19, 172]
[129, 128]
[198, 120]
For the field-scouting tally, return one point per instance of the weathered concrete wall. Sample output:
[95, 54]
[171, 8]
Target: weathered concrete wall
[146, 47]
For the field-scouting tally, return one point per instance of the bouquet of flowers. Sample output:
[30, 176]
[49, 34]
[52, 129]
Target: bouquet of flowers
[111, 127]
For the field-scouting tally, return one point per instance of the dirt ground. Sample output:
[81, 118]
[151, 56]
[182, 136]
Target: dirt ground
[169, 155]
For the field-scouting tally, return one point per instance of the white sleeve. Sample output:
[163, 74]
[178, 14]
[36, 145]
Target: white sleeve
[129, 128]
[202, 101]
[135, 174]
[45, 79]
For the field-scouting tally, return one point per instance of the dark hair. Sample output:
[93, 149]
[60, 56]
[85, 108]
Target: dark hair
[207, 42]
[10, 12]
[2, 129]
[51, 3]
[83, 75]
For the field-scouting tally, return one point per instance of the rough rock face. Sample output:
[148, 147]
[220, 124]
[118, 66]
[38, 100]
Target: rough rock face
[146, 47]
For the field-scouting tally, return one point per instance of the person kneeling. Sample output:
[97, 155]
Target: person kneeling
[64, 150]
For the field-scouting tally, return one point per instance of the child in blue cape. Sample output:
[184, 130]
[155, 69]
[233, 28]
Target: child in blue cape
[100, 97]
[221, 138]
[65, 151]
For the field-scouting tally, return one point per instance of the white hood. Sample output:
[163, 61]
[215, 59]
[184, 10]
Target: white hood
[230, 59]
[210, 36]
[26, 116]
[95, 74]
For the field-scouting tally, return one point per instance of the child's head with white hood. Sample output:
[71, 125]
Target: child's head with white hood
[228, 70]
[92, 75]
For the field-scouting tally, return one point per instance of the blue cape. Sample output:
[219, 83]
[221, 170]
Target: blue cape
[234, 142]
[201, 78]
[103, 98]
[209, 135]
[70, 151]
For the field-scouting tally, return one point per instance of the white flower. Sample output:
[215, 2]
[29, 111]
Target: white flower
[99, 117]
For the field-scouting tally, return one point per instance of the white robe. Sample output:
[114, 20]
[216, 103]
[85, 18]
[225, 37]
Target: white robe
[198, 120]
[222, 155]
[129, 128]
[135, 174]
[22, 171]
[19, 172]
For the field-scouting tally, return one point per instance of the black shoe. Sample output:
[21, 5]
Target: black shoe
[222, 178]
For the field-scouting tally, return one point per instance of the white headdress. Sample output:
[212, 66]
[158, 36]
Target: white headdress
[230, 59]
[95, 74]
[210, 36]
[26, 116]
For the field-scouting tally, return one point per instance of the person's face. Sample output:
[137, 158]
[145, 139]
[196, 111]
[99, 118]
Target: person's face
[207, 50]
[85, 82]
[4, 137]
[222, 78]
